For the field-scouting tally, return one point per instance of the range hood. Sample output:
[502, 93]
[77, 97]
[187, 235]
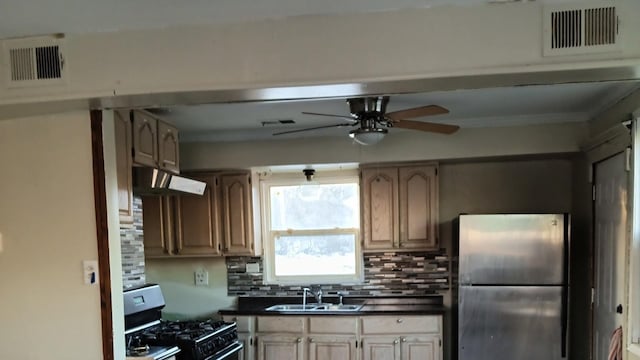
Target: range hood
[152, 181]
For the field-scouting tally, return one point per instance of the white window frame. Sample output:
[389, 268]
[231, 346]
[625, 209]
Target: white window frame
[267, 180]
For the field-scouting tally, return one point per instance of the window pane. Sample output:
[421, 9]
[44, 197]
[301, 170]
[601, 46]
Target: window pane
[315, 255]
[306, 207]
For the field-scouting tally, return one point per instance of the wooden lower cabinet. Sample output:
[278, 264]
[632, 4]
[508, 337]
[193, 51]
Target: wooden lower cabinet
[248, 351]
[332, 347]
[380, 348]
[413, 337]
[280, 347]
[420, 348]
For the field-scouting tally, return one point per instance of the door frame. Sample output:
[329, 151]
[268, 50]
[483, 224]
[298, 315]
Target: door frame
[102, 234]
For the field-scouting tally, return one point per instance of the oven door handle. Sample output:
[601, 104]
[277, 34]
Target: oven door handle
[234, 348]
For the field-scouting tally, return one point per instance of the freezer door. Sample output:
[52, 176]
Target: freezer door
[513, 322]
[512, 249]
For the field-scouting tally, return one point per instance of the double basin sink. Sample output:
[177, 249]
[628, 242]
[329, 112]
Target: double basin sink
[322, 307]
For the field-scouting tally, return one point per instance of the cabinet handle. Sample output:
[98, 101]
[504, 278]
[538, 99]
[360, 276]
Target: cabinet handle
[395, 341]
[311, 340]
[299, 340]
[404, 339]
[399, 321]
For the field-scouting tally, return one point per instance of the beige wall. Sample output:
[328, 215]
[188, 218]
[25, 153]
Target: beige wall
[184, 299]
[400, 146]
[47, 221]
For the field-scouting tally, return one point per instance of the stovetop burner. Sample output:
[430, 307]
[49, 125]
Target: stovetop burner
[183, 330]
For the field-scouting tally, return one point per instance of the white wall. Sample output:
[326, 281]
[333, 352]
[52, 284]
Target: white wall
[47, 221]
[381, 46]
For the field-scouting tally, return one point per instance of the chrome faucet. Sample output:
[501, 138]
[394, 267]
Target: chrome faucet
[317, 295]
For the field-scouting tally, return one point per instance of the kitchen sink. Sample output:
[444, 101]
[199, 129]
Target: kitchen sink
[324, 307]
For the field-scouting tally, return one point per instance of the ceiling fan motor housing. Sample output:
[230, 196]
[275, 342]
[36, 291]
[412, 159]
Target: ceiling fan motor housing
[368, 106]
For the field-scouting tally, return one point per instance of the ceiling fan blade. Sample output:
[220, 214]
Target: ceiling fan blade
[427, 126]
[330, 115]
[428, 110]
[313, 128]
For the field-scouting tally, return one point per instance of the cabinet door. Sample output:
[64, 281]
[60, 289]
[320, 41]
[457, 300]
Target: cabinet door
[381, 348]
[379, 208]
[418, 207]
[280, 347]
[420, 348]
[123, 166]
[325, 347]
[198, 220]
[248, 351]
[156, 222]
[168, 149]
[236, 207]
[145, 139]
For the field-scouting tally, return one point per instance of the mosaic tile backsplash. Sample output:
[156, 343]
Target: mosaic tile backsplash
[132, 247]
[385, 273]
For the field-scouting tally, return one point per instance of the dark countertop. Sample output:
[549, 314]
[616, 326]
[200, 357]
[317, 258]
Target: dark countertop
[428, 305]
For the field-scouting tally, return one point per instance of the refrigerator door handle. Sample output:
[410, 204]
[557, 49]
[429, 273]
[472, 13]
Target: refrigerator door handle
[564, 314]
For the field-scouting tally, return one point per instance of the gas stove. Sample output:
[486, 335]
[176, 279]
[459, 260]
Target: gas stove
[197, 340]
[194, 339]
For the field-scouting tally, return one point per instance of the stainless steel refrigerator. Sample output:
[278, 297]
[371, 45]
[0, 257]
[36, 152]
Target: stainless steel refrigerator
[512, 293]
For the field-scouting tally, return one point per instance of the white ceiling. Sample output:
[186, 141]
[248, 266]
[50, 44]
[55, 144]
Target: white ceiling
[39, 17]
[510, 106]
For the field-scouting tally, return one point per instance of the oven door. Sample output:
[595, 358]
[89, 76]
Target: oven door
[231, 352]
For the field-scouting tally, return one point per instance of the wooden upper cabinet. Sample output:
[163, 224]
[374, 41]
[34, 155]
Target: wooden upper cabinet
[123, 166]
[418, 210]
[156, 222]
[198, 220]
[168, 149]
[216, 224]
[399, 207]
[380, 208]
[238, 220]
[145, 139]
[155, 143]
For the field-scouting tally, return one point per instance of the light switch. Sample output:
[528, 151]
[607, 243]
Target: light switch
[90, 271]
[253, 268]
[201, 277]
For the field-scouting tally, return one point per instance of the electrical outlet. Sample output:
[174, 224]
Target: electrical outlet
[201, 277]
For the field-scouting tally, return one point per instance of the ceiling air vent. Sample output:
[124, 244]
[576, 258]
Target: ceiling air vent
[34, 61]
[583, 30]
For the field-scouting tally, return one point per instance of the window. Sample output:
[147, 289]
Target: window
[311, 229]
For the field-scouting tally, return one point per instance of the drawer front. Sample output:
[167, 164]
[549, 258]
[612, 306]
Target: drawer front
[332, 325]
[244, 323]
[401, 324]
[282, 324]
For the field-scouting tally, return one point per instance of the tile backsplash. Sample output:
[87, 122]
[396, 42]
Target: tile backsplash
[132, 247]
[385, 273]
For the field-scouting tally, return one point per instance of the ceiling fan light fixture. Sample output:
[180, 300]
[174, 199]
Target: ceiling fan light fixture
[368, 136]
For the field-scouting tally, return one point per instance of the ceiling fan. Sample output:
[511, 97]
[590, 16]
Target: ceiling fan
[370, 116]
